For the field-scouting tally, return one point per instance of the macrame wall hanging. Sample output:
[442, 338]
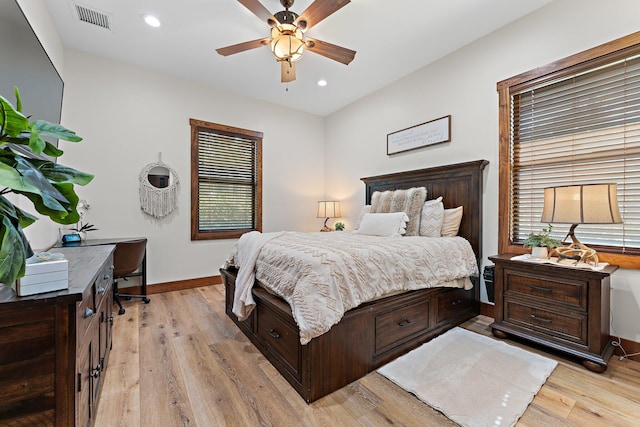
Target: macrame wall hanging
[159, 187]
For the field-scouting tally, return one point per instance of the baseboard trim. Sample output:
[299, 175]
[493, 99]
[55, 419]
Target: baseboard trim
[630, 347]
[487, 309]
[158, 288]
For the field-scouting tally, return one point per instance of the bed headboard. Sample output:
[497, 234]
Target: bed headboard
[459, 185]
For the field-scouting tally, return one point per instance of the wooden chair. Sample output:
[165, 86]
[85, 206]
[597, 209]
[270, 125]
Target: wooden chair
[129, 260]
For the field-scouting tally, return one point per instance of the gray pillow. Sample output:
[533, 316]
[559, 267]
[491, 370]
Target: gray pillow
[409, 201]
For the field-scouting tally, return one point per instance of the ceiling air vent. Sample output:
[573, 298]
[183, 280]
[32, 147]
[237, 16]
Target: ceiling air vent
[92, 16]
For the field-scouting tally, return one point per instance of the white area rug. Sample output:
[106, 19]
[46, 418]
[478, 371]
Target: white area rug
[473, 379]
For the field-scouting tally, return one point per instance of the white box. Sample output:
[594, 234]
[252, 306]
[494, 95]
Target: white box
[43, 277]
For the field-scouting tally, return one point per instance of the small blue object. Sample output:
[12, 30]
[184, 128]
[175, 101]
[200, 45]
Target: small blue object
[71, 238]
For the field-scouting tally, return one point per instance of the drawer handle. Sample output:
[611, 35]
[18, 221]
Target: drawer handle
[404, 322]
[101, 290]
[274, 333]
[456, 302]
[539, 288]
[87, 313]
[96, 371]
[541, 319]
[106, 277]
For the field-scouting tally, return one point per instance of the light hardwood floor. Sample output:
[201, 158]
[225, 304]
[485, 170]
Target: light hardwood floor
[180, 361]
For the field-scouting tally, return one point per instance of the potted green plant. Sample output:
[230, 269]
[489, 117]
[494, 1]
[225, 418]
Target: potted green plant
[541, 243]
[48, 185]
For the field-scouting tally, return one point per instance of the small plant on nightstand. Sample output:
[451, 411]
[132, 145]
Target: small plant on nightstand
[542, 240]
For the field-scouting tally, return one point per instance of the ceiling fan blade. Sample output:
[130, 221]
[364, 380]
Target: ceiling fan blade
[241, 47]
[317, 11]
[288, 73]
[260, 11]
[331, 51]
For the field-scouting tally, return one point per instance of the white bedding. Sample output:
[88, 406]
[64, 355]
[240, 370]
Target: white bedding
[323, 275]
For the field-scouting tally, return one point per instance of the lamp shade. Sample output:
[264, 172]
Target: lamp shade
[582, 204]
[329, 209]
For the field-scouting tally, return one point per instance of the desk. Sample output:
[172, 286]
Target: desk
[113, 241]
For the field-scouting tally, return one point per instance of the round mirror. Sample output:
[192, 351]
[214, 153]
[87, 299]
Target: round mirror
[159, 186]
[159, 177]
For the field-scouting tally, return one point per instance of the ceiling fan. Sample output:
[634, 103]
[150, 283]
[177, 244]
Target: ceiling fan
[287, 40]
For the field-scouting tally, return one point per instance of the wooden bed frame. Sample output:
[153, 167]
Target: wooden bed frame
[376, 332]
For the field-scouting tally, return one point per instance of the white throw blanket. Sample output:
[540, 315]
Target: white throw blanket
[323, 275]
[248, 248]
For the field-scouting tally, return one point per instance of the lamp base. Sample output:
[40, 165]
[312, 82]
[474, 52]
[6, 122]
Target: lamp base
[325, 227]
[576, 250]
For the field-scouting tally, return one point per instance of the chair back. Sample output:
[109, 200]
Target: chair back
[128, 257]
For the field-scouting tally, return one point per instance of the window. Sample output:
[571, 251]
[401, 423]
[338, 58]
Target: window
[226, 181]
[576, 121]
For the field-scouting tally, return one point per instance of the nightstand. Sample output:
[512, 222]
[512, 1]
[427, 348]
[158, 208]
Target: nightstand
[563, 308]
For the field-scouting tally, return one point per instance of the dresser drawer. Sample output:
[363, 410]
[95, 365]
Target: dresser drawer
[280, 337]
[452, 303]
[567, 292]
[402, 323]
[102, 285]
[567, 325]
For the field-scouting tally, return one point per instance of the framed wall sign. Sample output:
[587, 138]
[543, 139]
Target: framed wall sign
[428, 133]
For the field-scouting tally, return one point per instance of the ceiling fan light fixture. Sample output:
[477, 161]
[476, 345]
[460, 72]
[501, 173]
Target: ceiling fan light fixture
[287, 42]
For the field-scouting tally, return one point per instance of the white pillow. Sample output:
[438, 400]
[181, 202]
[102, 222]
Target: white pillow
[451, 222]
[365, 210]
[409, 201]
[431, 218]
[383, 224]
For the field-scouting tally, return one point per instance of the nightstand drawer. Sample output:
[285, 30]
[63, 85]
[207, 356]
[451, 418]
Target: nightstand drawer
[570, 293]
[568, 326]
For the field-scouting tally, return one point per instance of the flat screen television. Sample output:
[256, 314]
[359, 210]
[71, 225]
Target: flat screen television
[24, 63]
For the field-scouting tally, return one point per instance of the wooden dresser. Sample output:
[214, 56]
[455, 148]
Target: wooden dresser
[54, 347]
[566, 309]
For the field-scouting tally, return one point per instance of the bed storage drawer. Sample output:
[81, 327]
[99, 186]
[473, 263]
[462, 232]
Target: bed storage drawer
[280, 337]
[401, 323]
[452, 303]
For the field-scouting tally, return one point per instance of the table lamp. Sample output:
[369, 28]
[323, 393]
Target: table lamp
[580, 204]
[328, 209]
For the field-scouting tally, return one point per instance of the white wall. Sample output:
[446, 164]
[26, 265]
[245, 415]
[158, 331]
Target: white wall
[463, 84]
[127, 116]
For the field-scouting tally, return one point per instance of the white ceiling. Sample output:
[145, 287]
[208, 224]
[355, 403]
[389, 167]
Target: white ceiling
[392, 39]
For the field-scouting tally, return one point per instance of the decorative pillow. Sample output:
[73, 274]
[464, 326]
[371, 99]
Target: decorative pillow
[365, 210]
[383, 224]
[431, 219]
[451, 222]
[409, 201]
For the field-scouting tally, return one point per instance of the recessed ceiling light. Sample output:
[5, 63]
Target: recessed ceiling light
[322, 82]
[151, 20]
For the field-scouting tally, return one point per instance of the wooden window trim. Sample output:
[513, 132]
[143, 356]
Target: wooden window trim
[616, 49]
[196, 234]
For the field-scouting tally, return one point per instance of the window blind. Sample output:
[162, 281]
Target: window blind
[226, 182]
[581, 129]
